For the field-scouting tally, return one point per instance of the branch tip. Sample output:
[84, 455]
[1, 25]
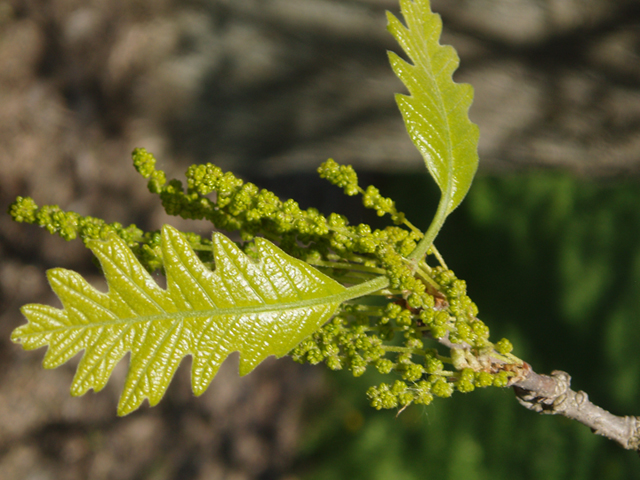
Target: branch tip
[552, 395]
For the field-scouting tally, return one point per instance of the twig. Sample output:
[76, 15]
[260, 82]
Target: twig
[552, 395]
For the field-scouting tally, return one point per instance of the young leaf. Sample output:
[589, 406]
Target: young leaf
[257, 308]
[436, 112]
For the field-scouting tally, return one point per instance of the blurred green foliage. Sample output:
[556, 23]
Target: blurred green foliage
[553, 262]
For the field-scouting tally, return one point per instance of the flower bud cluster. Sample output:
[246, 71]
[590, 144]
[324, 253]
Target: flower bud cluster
[400, 394]
[69, 225]
[344, 342]
[468, 328]
[345, 177]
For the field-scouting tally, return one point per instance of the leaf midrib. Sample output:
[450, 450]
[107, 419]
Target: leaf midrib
[440, 104]
[212, 312]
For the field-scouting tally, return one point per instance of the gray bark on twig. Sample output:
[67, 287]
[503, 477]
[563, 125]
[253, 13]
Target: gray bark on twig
[552, 395]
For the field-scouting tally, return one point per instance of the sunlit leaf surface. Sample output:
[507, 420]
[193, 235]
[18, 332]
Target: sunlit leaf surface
[436, 112]
[256, 308]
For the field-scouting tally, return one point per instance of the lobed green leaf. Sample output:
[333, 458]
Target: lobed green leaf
[256, 308]
[436, 112]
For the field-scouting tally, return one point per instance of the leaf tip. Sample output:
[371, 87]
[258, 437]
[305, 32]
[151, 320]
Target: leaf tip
[16, 335]
[128, 405]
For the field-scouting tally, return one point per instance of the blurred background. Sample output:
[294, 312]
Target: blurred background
[548, 238]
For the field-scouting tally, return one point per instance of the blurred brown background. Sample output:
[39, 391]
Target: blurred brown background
[268, 88]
